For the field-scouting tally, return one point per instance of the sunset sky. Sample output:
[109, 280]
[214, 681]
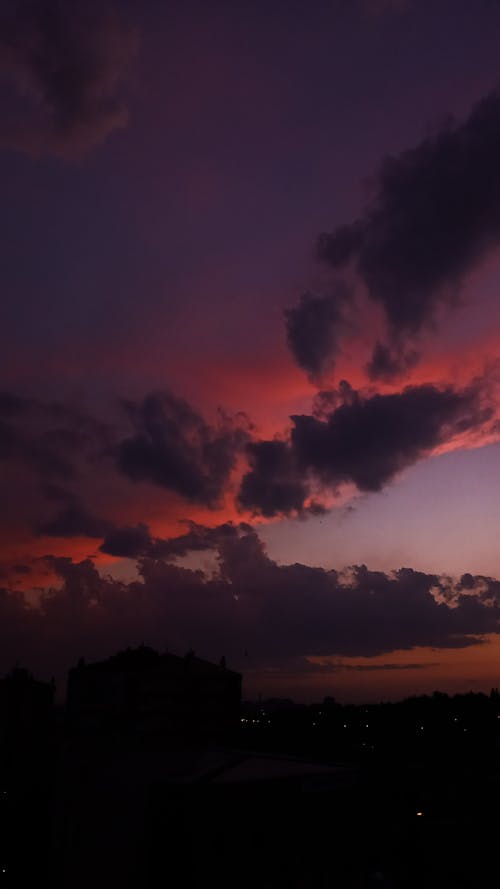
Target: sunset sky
[250, 322]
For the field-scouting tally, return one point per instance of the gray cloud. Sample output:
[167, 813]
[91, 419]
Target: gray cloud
[49, 438]
[314, 329]
[275, 612]
[74, 520]
[175, 448]
[56, 458]
[387, 363]
[127, 541]
[274, 483]
[434, 215]
[135, 541]
[355, 438]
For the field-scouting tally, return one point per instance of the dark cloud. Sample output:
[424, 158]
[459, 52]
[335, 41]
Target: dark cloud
[371, 439]
[384, 668]
[197, 539]
[47, 454]
[10, 572]
[12, 404]
[435, 213]
[337, 666]
[433, 216]
[314, 329]
[275, 612]
[274, 483]
[361, 439]
[467, 581]
[22, 569]
[326, 401]
[127, 542]
[74, 520]
[66, 63]
[136, 541]
[49, 438]
[8, 441]
[171, 445]
[58, 494]
[63, 470]
[386, 364]
[175, 448]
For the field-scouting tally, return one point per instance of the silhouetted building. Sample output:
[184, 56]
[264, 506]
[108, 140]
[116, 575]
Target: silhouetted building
[25, 707]
[140, 693]
[26, 778]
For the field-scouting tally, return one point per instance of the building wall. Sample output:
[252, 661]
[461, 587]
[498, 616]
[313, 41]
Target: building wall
[173, 696]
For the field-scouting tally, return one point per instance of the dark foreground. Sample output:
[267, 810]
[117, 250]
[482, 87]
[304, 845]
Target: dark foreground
[399, 797]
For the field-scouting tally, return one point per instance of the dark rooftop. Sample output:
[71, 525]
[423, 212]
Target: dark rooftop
[144, 658]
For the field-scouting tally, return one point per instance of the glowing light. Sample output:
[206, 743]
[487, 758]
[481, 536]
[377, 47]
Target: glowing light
[420, 813]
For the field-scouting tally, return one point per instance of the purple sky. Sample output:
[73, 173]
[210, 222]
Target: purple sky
[195, 377]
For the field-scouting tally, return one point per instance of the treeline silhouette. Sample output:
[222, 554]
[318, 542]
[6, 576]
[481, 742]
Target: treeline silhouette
[420, 728]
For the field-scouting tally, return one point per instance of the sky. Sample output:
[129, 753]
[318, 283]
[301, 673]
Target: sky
[250, 339]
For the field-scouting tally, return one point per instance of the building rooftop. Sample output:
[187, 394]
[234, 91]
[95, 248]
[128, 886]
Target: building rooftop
[143, 658]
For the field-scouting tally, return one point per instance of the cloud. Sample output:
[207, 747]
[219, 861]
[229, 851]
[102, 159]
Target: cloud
[274, 483]
[372, 668]
[175, 448]
[136, 541]
[361, 439]
[314, 329]
[371, 439]
[433, 216]
[435, 213]
[66, 64]
[386, 363]
[328, 665]
[12, 404]
[275, 612]
[197, 539]
[49, 438]
[127, 542]
[64, 470]
[74, 520]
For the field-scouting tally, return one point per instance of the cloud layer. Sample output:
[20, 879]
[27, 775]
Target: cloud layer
[274, 613]
[57, 456]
